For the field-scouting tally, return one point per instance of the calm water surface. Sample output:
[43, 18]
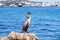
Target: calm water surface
[45, 21]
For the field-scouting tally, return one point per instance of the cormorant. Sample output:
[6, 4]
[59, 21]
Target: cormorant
[27, 22]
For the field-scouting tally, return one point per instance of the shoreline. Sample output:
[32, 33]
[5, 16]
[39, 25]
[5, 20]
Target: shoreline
[20, 4]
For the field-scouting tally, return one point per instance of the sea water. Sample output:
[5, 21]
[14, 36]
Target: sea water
[45, 21]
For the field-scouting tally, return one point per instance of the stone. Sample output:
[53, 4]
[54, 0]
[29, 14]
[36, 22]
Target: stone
[20, 36]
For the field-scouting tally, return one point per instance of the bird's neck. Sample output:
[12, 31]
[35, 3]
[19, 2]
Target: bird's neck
[28, 16]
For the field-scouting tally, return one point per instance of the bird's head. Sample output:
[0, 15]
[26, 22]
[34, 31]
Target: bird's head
[28, 13]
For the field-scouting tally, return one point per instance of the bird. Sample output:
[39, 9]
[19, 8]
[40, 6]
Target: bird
[27, 22]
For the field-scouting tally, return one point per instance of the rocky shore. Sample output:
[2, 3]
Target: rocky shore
[20, 36]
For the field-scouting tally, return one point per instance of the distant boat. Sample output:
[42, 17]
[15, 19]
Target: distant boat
[56, 5]
[20, 5]
[1, 5]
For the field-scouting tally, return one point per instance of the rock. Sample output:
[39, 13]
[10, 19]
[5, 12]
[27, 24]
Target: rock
[4, 38]
[20, 36]
[0, 38]
[12, 35]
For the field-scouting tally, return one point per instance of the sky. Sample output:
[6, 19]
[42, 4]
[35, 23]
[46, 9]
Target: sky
[42, 0]
[46, 0]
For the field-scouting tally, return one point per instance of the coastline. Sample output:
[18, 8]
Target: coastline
[28, 3]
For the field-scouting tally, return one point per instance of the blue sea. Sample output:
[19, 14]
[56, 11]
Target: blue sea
[45, 21]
